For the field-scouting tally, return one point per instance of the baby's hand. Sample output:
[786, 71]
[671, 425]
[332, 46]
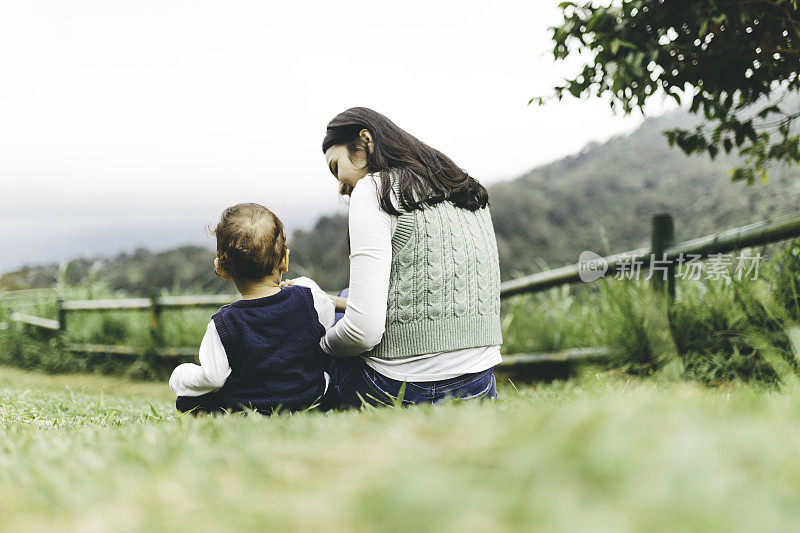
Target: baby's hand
[287, 283]
[339, 302]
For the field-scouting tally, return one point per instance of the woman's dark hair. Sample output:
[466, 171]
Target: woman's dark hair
[250, 241]
[426, 176]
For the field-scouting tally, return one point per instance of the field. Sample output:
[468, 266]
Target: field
[691, 424]
[603, 452]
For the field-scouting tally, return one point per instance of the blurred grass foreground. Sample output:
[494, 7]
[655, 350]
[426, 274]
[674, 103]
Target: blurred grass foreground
[602, 452]
[690, 425]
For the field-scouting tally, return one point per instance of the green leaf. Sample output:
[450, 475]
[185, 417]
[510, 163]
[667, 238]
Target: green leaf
[616, 44]
[398, 401]
[767, 110]
[743, 174]
[689, 64]
[727, 144]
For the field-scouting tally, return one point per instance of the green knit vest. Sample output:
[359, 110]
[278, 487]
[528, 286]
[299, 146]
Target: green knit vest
[444, 286]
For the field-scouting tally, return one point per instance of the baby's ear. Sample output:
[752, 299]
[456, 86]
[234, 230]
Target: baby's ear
[284, 264]
[219, 271]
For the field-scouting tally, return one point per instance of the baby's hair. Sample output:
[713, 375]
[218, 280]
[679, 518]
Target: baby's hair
[250, 241]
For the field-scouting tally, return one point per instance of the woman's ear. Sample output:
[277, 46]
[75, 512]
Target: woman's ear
[219, 271]
[366, 138]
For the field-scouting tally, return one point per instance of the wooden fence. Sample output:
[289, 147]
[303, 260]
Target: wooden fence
[662, 249]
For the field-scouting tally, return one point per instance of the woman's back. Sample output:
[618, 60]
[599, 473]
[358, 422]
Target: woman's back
[444, 290]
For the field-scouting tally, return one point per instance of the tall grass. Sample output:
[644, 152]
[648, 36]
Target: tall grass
[553, 320]
[717, 330]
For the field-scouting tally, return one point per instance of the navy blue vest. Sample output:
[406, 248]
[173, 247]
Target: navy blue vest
[273, 350]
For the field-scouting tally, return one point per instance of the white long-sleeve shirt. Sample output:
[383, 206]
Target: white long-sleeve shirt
[364, 322]
[190, 379]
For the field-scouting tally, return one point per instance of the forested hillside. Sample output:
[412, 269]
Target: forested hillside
[184, 269]
[600, 199]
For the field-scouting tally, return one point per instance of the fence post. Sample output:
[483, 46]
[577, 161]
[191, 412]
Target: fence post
[662, 236]
[62, 313]
[155, 315]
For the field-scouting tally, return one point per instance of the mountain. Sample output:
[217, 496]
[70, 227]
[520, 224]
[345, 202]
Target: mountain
[187, 269]
[600, 199]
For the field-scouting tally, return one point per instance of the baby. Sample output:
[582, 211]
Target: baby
[260, 352]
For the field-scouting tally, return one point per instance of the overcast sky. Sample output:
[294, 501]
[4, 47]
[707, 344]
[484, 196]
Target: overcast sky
[136, 123]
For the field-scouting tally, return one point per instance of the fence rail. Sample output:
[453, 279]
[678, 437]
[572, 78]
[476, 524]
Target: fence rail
[561, 276]
[757, 234]
[112, 304]
[45, 323]
[565, 356]
[118, 349]
[165, 302]
[760, 233]
[662, 248]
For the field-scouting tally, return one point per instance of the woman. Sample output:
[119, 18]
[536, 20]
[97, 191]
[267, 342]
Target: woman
[424, 299]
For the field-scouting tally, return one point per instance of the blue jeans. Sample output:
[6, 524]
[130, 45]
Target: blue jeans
[352, 379]
[353, 383]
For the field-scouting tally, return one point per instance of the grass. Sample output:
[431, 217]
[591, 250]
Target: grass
[716, 330]
[604, 452]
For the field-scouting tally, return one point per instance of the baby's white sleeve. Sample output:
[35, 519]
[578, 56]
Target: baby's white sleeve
[325, 307]
[190, 379]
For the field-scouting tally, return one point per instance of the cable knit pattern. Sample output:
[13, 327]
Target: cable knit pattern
[444, 290]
